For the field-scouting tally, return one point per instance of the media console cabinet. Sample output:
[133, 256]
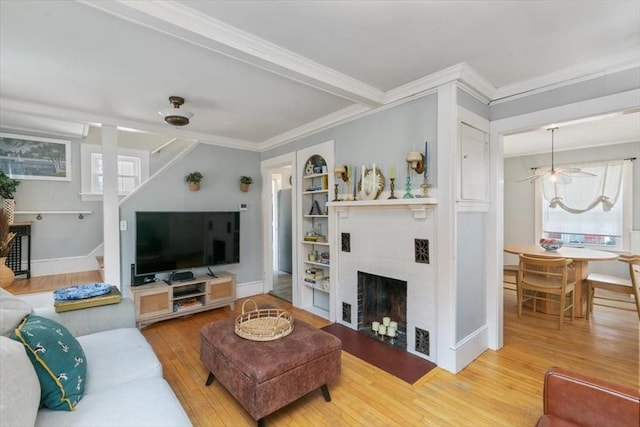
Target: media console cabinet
[161, 301]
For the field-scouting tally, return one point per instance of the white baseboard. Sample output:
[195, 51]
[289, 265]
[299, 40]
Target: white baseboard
[47, 267]
[472, 346]
[248, 289]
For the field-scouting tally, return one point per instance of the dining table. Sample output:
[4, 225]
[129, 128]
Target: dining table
[580, 257]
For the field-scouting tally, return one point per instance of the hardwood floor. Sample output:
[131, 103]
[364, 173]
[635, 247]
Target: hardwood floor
[22, 285]
[500, 388]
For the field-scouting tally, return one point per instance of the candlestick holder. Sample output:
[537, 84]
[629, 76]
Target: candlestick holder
[407, 189]
[349, 197]
[392, 185]
[425, 187]
[335, 192]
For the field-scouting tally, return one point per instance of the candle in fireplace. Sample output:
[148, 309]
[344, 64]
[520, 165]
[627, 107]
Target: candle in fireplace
[382, 330]
[391, 331]
[393, 324]
[386, 321]
[375, 326]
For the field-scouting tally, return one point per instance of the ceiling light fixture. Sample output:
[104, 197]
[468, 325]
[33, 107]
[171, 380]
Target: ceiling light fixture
[556, 175]
[175, 116]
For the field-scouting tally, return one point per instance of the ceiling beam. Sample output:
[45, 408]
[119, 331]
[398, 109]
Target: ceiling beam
[177, 20]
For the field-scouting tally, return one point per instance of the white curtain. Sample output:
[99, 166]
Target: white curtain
[585, 193]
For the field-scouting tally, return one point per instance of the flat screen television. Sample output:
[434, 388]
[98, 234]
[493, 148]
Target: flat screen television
[171, 241]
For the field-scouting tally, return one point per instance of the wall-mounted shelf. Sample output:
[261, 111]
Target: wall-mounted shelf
[39, 214]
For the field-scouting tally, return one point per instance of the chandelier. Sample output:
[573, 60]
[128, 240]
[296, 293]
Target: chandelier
[556, 175]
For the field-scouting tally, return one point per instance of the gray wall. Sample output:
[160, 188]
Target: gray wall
[609, 84]
[383, 138]
[220, 191]
[59, 236]
[471, 312]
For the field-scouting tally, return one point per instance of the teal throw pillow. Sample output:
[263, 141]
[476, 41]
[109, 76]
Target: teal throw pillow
[58, 360]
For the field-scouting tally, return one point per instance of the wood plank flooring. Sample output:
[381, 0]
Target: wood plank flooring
[22, 285]
[500, 388]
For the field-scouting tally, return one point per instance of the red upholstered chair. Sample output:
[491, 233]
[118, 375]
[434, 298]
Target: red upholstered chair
[572, 399]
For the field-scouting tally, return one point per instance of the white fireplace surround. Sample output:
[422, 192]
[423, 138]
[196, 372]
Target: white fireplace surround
[382, 242]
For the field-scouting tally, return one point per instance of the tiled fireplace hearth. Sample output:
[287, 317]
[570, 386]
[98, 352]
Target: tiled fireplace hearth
[393, 247]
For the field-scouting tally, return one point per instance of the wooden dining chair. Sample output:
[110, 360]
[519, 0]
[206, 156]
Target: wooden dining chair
[628, 286]
[546, 279]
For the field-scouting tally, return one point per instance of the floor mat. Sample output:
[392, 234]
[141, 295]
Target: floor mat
[397, 362]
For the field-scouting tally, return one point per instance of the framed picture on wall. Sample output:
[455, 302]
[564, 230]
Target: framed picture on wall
[31, 157]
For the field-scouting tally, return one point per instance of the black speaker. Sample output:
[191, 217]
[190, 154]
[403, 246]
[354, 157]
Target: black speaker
[141, 280]
[181, 276]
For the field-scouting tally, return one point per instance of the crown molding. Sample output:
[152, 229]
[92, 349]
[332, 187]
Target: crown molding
[568, 76]
[97, 120]
[341, 116]
[461, 72]
[176, 19]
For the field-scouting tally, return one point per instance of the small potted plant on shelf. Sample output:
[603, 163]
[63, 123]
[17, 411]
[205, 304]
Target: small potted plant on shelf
[245, 182]
[193, 179]
[7, 190]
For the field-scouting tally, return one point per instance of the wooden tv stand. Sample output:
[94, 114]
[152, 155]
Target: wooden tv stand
[161, 301]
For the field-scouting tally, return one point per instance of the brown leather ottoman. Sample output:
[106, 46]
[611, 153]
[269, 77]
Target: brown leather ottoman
[266, 376]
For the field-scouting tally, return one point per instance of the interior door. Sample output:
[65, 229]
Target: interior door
[284, 231]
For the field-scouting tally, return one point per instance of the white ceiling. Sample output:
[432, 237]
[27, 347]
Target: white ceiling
[259, 73]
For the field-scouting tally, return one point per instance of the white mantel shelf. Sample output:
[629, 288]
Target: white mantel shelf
[418, 206]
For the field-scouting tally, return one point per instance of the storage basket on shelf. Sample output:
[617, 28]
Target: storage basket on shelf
[265, 324]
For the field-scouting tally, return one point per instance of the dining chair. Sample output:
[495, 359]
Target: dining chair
[616, 284]
[510, 277]
[546, 279]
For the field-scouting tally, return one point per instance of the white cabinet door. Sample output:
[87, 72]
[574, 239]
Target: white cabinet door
[474, 163]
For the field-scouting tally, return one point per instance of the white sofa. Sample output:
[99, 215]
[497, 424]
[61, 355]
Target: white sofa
[124, 384]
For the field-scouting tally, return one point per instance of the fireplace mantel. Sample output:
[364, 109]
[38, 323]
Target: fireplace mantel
[418, 205]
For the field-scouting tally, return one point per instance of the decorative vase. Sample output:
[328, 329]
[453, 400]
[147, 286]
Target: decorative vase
[244, 187]
[6, 274]
[9, 206]
[194, 186]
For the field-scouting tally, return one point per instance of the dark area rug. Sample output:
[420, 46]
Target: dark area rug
[397, 362]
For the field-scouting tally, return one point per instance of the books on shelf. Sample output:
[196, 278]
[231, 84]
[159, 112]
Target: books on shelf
[186, 304]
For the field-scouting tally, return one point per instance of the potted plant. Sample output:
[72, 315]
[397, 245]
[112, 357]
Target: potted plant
[245, 182]
[6, 237]
[7, 190]
[193, 179]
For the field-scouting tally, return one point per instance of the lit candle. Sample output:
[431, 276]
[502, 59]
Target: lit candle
[382, 330]
[394, 325]
[375, 326]
[391, 331]
[386, 321]
[392, 172]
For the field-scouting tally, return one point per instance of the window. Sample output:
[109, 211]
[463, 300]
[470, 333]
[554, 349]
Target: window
[129, 175]
[133, 170]
[597, 210]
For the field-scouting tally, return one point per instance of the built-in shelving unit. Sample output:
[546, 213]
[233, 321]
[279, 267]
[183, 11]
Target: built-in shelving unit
[314, 247]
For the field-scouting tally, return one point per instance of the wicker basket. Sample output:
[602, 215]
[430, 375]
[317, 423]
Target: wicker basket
[263, 325]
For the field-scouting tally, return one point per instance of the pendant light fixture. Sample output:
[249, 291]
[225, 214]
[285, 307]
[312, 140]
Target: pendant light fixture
[556, 175]
[176, 116]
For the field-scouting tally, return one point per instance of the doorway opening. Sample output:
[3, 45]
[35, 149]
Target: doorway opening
[282, 232]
